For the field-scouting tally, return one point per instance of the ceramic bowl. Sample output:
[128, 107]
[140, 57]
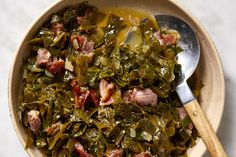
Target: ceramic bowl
[209, 69]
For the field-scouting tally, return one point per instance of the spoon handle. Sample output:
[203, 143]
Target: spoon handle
[205, 129]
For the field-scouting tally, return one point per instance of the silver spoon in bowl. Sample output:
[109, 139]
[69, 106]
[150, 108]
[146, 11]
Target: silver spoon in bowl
[188, 59]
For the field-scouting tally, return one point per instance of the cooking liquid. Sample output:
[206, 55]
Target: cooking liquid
[131, 18]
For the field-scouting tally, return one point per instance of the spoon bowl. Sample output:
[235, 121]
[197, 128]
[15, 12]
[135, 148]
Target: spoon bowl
[188, 59]
[190, 55]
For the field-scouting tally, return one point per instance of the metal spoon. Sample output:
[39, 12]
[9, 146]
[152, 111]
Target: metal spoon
[189, 60]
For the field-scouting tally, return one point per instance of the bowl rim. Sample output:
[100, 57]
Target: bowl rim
[56, 2]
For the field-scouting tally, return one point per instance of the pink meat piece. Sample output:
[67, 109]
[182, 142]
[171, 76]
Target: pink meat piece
[141, 96]
[115, 153]
[190, 126]
[108, 102]
[56, 67]
[34, 121]
[42, 57]
[106, 91]
[81, 97]
[182, 115]
[79, 149]
[81, 43]
[158, 36]
[171, 37]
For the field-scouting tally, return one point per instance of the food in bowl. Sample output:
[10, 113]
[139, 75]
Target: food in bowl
[87, 91]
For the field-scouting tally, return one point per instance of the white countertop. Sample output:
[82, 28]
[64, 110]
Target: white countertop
[217, 16]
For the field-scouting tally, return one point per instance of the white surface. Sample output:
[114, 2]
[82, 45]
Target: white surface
[217, 16]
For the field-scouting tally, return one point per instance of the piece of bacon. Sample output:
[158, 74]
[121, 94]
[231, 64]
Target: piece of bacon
[106, 91]
[43, 60]
[42, 57]
[81, 43]
[77, 93]
[56, 67]
[34, 121]
[171, 37]
[141, 96]
[79, 149]
[81, 100]
[82, 97]
[75, 87]
[115, 153]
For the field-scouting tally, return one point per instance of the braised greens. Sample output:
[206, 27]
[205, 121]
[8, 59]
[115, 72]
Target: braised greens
[64, 108]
